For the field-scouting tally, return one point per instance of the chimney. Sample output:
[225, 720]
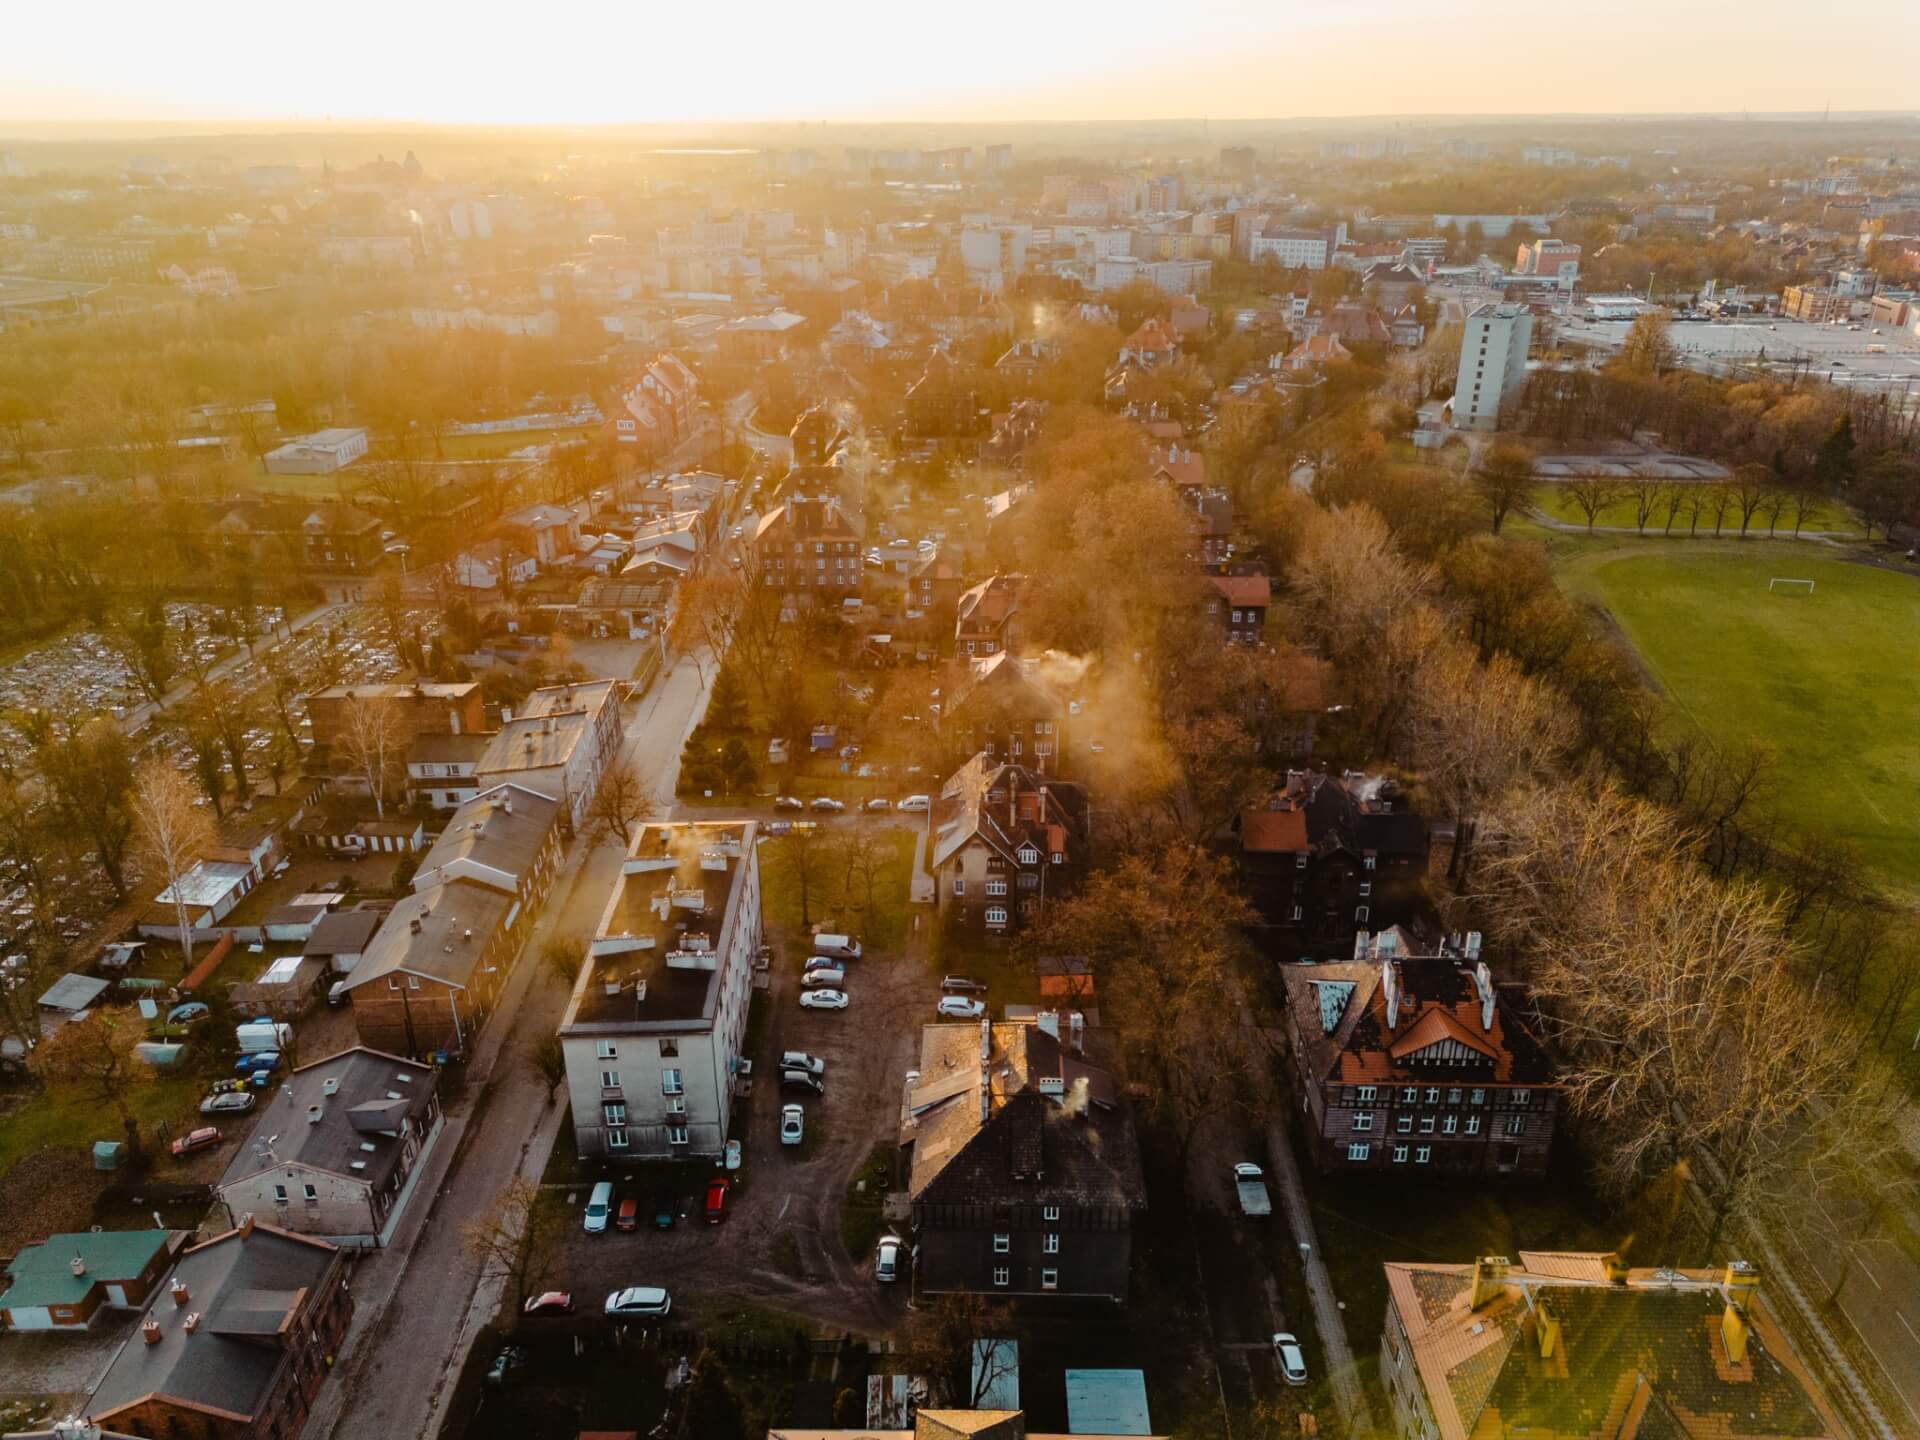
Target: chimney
[1733, 1331]
[179, 1292]
[1616, 1265]
[1359, 945]
[1546, 1327]
[245, 1227]
[413, 926]
[1077, 1030]
[150, 1331]
[77, 1265]
[506, 804]
[1483, 982]
[1489, 1279]
[1049, 1021]
[1390, 985]
[193, 1321]
[1742, 1280]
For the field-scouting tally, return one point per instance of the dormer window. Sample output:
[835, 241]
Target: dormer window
[1029, 855]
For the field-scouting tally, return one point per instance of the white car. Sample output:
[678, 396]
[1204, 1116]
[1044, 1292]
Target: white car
[793, 1124]
[823, 1000]
[1292, 1360]
[879, 804]
[828, 805]
[914, 802]
[801, 1060]
[959, 1007]
[824, 977]
[886, 1259]
[639, 1301]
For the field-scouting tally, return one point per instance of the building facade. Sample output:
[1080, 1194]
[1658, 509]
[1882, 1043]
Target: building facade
[1493, 363]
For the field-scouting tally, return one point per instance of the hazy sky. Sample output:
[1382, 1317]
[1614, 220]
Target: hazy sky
[596, 61]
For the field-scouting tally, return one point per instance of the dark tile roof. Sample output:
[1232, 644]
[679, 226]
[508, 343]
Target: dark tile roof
[456, 921]
[370, 1100]
[343, 932]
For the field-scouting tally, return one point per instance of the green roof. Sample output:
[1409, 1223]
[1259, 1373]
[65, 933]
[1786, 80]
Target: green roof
[43, 1274]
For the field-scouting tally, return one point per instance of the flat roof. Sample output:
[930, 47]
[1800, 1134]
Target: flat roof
[1107, 1402]
[73, 992]
[207, 884]
[363, 1097]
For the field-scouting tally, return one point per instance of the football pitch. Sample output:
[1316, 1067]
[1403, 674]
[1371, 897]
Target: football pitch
[1830, 679]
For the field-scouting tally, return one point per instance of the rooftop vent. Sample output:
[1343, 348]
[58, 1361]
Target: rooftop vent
[356, 1164]
[178, 1290]
[395, 1095]
[330, 1086]
[193, 1321]
[150, 1331]
[367, 1145]
[313, 1114]
[403, 1076]
[78, 1266]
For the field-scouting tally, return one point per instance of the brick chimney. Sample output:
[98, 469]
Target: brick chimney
[1616, 1267]
[1489, 1279]
[179, 1292]
[150, 1331]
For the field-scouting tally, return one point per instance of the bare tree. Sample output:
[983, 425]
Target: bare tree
[940, 1339]
[514, 1241]
[1751, 486]
[171, 833]
[803, 856]
[1503, 482]
[549, 1060]
[1591, 494]
[628, 795]
[371, 739]
[561, 957]
[98, 1060]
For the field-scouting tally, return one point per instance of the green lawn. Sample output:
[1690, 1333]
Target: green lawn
[838, 893]
[1827, 680]
[44, 1120]
[1554, 500]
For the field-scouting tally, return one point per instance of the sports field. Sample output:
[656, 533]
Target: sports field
[1830, 680]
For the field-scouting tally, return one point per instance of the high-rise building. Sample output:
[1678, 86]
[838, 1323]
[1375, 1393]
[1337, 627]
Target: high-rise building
[1493, 363]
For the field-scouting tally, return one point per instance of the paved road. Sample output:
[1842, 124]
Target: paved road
[420, 1301]
[140, 714]
[777, 448]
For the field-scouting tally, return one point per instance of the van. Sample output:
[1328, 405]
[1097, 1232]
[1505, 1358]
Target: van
[837, 947]
[824, 977]
[599, 1206]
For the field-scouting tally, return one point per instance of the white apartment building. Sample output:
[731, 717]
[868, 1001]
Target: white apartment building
[1493, 363]
[559, 745]
[1554, 157]
[1171, 277]
[1291, 248]
[653, 1031]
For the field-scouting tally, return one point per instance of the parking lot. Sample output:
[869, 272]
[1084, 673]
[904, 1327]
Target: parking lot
[1889, 360]
[780, 1242]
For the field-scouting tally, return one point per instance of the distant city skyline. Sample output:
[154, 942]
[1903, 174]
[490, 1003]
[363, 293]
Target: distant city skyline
[597, 62]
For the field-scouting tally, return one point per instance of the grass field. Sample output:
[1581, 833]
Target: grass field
[1827, 680]
[1554, 500]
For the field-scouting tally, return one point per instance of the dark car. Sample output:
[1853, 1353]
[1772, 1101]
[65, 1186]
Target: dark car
[963, 983]
[663, 1213]
[800, 1082]
[628, 1216]
[506, 1364]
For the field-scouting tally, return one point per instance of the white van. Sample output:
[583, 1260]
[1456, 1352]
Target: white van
[599, 1206]
[837, 947]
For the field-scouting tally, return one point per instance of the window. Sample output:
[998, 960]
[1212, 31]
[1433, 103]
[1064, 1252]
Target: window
[1049, 1279]
[1433, 1095]
[1296, 912]
[1367, 1094]
[609, 1079]
[1404, 1124]
[614, 1114]
[1478, 1097]
[1029, 855]
[1002, 1244]
[606, 1050]
[669, 1049]
[1358, 1152]
[1423, 1155]
[1363, 1121]
[1410, 1094]
[617, 1138]
[1449, 1124]
[959, 885]
[1360, 914]
[1473, 1124]
[676, 1134]
[1029, 881]
[996, 915]
[1002, 1275]
[1522, 1098]
[676, 1105]
[1399, 1154]
[1300, 861]
[1453, 1095]
[1049, 1212]
[1369, 862]
[1366, 888]
[280, 1194]
[670, 1082]
[1426, 1124]
[996, 887]
[1050, 1244]
[1516, 1124]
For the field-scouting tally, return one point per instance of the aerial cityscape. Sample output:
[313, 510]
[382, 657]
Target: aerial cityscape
[814, 751]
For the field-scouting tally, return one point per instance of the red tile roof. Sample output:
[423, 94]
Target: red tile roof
[1273, 832]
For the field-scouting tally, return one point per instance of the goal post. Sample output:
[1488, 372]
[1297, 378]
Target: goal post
[1783, 585]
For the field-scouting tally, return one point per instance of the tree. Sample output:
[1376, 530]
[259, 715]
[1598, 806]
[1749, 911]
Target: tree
[736, 765]
[1833, 466]
[561, 957]
[171, 834]
[803, 857]
[1646, 495]
[1503, 481]
[1591, 494]
[371, 738]
[938, 1342]
[1648, 348]
[549, 1060]
[98, 1060]
[514, 1241]
[709, 1408]
[90, 776]
[628, 795]
[727, 703]
[209, 769]
[1751, 486]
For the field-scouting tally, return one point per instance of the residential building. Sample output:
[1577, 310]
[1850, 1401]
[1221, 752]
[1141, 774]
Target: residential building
[1406, 329]
[1171, 276]
[559, 745]
[1493, 363]
[412, 708]
[321, 453]
[1559, 259]
[332, 536]
[657, 409]
[1212, 524]
[984, 616]
[335, 1151]
[1419, 1060]
[941, 404]
[1005, 708]
[1023, 1169]
[65, 1281]
[1006, 840]
[654, 1027]
[1355, 325]
[1815, 304]
[1331, 855]
[1239, 603]
[338, 938]
[434, 971]
[1314, 353]
[550, 533]
[1553, 157]
[442, 769]
[1149, 347]
[506, 838]
[808, 549]
[983, 1423]
[818, 435]
[1575, 1346]
[1393, 287]
[1293, 248]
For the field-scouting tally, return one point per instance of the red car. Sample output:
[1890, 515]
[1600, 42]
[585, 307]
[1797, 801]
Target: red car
[552, 1302]
[205, 1138]
[716, 1202]
[628, 1216]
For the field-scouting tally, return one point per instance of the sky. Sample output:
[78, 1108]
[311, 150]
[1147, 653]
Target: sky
[588, 62]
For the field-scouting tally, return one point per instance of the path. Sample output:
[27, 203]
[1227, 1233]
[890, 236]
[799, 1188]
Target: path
[140, 714]
[1838, 538]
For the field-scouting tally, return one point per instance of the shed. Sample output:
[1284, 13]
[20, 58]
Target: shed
[71, 994]
[1107, 1402]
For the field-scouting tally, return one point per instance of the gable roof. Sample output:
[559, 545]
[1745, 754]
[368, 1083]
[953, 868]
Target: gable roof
[500, 830]
[456, 921]
[42, 1273]
[1254, 590]
[965, 812]
[364, 1097]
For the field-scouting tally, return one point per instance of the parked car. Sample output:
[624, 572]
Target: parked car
[186, 1014]
[915, 802]
[828, 805]
[828, 976]
[879, 803]
[642, 1302]
[663, 1213]
[793, 1124]
[205, 1138]
[550, 1302]
[801, 1060]
[788, 802]
[823, 999]
[836, 947]
[717, 1201]
[730, 1157]
[506, 1364]
[599, 1207]
[627, 1217]
[886, 1259]
[802, 1082]
[958, 1007]
[1292, 1360]
[264, 1060]
[228, 1102]
[963, 983]
[337, 992]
